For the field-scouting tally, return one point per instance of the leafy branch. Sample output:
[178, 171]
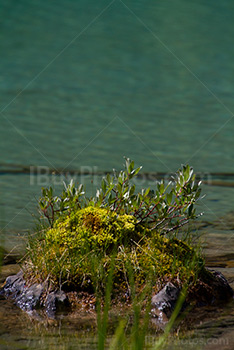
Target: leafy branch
[166, 208]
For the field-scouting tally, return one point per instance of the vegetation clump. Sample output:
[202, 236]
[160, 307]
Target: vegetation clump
[92, 228]
[120, 230]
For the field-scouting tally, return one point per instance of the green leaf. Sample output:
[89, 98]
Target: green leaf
[169, 197]
[161, 188]
[136, 171]
[132, 190]
[147, 191]
[103, 185]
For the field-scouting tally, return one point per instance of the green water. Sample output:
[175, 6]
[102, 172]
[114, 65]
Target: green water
[83, 83]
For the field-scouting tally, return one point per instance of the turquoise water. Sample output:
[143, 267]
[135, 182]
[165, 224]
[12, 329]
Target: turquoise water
[83, 83]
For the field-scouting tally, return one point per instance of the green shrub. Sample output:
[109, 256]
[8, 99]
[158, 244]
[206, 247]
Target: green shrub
[85, 234]
[165, 209]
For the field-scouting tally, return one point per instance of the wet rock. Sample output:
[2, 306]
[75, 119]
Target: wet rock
[55, 302]
[14, 285]
[221, 286]
[30, 298]
[211, 289]
[163, 303]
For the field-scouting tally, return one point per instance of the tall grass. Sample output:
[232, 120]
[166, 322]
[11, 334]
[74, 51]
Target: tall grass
[132, 330]
[102, 316]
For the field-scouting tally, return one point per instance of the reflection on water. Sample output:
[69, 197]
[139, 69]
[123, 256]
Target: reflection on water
[19, 330]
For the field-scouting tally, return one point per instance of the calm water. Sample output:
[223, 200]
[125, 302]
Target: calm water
[84, 83]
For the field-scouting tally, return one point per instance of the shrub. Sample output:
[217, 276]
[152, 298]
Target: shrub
[86, 234]
[165, 209]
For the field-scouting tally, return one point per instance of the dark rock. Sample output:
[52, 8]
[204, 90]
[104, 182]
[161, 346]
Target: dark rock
[14, 285]
[211, 289]
[163, 303]
[30, 298]
[56, 301]
[221, 286]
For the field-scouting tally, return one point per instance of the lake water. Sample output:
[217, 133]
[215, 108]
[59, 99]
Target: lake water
[84, 83]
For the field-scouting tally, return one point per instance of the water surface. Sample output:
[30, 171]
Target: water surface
[84, 83]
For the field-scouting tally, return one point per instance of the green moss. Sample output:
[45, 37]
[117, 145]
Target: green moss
[92, 228]
[77, 252]
[163, 260]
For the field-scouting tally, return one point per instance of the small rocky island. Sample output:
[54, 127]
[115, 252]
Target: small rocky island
[121, 241]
